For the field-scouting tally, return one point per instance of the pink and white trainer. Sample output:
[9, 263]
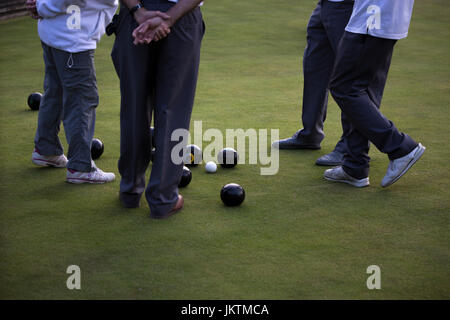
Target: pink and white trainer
[48, 161]
[97, 176]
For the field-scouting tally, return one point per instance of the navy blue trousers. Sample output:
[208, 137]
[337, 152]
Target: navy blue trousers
[157, 80]
[357, 85]
[325, 29]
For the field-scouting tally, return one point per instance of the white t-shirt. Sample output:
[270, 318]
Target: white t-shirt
[387, 19]
[74, 25]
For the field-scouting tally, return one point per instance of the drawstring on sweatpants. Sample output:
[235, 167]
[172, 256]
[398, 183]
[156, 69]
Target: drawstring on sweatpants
[70, 61]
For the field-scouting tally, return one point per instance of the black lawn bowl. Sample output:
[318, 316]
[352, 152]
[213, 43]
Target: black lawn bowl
[152, 135]
[152, 156]
[228, 158]
[185, 178]
[34, 100]
[232, 195]
[193, 155]
[97, 148]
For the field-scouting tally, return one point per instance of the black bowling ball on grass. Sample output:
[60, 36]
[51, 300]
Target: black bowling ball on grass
[232, 195]
[97, 148]
[186, 177]
[34, 100]
[228, 158]
[192, 156]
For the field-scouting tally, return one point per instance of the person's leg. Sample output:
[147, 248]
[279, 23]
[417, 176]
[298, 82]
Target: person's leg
[176, 79]
[336, 17]
[318, 62]
[318, 59]
[80, 98]
[46, 140]
[360, 58]
[133, 66]
[335, 23]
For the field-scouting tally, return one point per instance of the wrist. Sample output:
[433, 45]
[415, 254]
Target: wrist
[170, 22]
[136, 10]
[139, 14]
[136, 7]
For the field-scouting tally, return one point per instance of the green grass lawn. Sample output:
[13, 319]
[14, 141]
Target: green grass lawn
[295, 237]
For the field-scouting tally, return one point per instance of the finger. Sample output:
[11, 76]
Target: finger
[160, 34]
[138, 31]
[134, 34]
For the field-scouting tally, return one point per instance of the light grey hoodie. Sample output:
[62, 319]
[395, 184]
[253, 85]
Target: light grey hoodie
[74, 25]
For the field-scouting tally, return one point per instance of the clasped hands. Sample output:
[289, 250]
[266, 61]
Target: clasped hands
[31, 8]
[153, 26]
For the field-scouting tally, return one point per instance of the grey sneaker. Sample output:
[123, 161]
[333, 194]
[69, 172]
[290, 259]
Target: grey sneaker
[339, 175]
[334, 158]
[398, 167]
[293, 143]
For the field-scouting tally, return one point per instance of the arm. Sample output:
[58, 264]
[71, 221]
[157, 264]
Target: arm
[31, 8]
[148, 31]
[180, 9]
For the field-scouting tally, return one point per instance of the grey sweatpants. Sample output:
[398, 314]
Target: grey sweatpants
[158, 78]
[70, 95]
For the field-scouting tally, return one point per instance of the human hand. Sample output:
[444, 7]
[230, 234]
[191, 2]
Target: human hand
[142, 15]
[152, 29]
[32, 10]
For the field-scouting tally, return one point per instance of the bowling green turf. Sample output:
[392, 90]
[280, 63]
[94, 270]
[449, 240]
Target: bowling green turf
[295, 237]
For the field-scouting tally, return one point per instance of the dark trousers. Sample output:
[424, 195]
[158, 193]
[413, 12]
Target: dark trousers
[70, 95]
[325, 29]
[357, 85]
[158, 78]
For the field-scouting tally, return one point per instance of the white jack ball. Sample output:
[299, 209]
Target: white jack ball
[211, 167]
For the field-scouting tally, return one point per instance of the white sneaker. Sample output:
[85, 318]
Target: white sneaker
[339, 175]
[398, 167]
[48, 161]
[97, 176]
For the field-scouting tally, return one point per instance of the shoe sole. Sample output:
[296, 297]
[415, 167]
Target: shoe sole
[80, 181]
[45, 163]
[361, 184]
[419, 153]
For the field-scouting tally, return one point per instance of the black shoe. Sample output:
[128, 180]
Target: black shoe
[130, 200]
[334, 158]
[293, 143]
